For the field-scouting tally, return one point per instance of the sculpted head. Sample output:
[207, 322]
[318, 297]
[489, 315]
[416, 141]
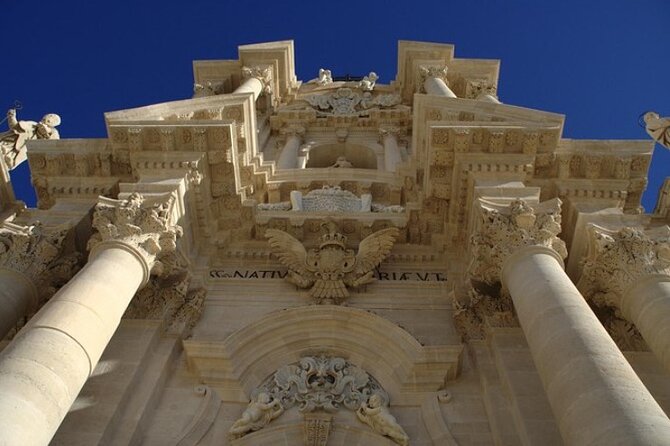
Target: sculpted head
[263, 397]
[375, 401]
[51, 119]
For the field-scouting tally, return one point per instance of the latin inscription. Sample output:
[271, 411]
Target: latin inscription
[276, 274]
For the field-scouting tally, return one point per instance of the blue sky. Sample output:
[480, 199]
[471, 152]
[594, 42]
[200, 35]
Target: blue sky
[601, 63]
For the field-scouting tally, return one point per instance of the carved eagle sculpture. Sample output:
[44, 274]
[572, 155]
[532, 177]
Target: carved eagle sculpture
[331, 268]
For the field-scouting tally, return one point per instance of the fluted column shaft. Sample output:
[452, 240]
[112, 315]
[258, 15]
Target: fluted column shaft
[595, 395]
[647, 305]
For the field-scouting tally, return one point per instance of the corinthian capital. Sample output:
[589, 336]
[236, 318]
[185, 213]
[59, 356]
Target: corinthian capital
[261, 72]
[143, 225]
[502, 230]
[30, 250]
[427, 71]
[618, 259]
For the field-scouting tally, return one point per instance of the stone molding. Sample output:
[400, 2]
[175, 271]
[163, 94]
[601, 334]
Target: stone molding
[619, 259]
[503, 229]
[140, 225]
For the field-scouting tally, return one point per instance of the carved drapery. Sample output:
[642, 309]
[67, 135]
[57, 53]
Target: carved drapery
[140, 225]
[504, 229]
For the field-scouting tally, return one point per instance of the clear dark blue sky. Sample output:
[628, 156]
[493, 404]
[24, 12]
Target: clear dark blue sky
[601, 63]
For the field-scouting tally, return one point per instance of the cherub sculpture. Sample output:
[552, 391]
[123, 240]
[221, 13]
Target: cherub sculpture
[368, 82]
[257, 415]
[658, 128]
[331, 268]
[13, 141]
[375, 414]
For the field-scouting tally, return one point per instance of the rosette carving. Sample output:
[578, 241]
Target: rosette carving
[142, 224]
[501, 230]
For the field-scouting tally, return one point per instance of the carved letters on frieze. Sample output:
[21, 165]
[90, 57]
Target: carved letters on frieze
[331, 268]
[319, 385]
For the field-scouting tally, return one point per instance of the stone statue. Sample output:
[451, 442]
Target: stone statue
[325, 77]
[257, 415]
[331, 268]
[13, 142]
[368, 82]
[658, 128]
[342, 162]
[376, 415]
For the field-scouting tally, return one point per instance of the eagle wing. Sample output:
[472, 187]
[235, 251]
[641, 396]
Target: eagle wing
[289, 251]
[373, 249]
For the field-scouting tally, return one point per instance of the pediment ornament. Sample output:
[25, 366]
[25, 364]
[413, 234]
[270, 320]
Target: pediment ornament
[347, 101]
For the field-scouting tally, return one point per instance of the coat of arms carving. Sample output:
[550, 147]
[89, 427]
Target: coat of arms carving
[332, 268]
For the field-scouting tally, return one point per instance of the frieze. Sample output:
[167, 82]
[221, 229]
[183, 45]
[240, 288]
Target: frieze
[401, 276]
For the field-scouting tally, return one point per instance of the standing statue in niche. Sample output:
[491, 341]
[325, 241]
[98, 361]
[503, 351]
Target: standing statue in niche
[13, 141]
[376, 415]
[257, 415]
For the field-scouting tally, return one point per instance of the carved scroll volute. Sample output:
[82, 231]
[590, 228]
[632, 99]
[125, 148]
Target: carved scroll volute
[143, 226]
[617, 259]
[501, 230]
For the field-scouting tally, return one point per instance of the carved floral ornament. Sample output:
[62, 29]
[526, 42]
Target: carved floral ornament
[331, 268]
[347, 101]
[320, 384]
[501, 230]
[261, 72]
[143, 224]
[619, 258]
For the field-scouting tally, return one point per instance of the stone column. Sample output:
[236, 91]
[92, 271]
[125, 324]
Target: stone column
[486, 96]
[288, 158]
[257, 80]
[629, 270]
[43, 369]
[29, 256]
[432, 80]
[596, 397]
[389, 137]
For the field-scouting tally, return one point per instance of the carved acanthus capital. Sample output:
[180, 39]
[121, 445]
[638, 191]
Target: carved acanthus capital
[427, 71]
[142, 225]
[261, 72]
[293, 130]
[618, 259]
[502, 230]
[38, 254]
[388, 130]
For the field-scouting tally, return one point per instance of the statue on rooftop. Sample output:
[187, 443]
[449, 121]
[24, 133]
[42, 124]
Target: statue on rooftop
[368, 82]
[13, 141]
[658, 128]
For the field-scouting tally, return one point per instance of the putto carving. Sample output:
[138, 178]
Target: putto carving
[618, 259]
[325, 77]
[318, 384]
[13, 141]
[261, 72]
[501, 230]
[368, 82]
[376, 415]
[331, 268]
[346, 101]
[143, 224]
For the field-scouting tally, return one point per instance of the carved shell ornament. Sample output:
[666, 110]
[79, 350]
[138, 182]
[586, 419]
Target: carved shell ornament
[331, 268]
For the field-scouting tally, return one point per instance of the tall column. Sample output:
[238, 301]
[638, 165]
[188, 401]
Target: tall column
[629, 270]
[288, 158]
[43, 369]
[596, 397]
[257, 80]
[28, 255]
[392, 155]
[433, 80]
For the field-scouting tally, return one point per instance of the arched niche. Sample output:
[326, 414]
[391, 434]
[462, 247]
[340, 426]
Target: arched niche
[394, 357]
[359, 155]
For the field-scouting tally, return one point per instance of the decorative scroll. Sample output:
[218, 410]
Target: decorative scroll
[346, 101]
[331, 268]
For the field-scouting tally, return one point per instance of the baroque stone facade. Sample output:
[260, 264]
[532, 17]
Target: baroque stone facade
[333, 262]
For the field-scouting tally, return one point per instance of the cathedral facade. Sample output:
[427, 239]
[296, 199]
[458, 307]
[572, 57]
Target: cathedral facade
[333, 261]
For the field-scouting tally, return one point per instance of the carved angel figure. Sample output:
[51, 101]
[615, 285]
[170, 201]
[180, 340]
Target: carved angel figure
[658, 128]
[13, 141]
[257, 415]
[331, 268]
[376, 415]
[325, 77]
[368, 82]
